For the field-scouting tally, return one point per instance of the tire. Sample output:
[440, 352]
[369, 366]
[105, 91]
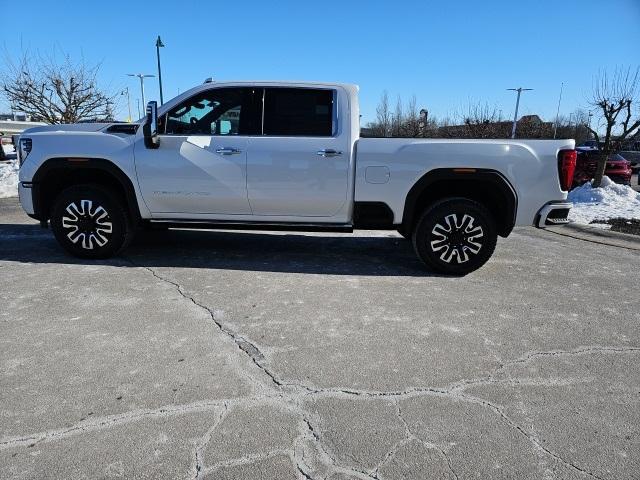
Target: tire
[455, 236]
[90, 221]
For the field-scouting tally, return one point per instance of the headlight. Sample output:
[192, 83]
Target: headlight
[24, 149]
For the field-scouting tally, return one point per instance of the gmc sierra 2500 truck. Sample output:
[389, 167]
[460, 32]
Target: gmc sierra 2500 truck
[286, 156]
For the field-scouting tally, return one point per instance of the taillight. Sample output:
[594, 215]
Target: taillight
[566, 168]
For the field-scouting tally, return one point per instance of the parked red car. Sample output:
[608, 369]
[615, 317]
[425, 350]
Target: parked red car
[618, 169]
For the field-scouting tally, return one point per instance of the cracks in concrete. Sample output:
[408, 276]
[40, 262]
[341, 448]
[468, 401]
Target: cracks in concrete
[578, 351]
[531, 438]
[308, 454]
[285, 392]
[251, 350]
[200, 446]
[246, 460]
[410, 436]
[100, 423]
[453, 390]
[326, 464]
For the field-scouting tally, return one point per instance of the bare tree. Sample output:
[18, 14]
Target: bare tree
[576, 126]
[56, 92]
[411, 126]
[615, 98]
[383, 117]
[483, 121]
[397, 120]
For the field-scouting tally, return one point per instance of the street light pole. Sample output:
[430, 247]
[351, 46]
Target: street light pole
[515, 116]
[159, 44]
[141, 76]
[144, 102]
[126, 92]
[555, 128]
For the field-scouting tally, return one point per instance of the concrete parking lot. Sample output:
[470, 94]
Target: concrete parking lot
[282, 355]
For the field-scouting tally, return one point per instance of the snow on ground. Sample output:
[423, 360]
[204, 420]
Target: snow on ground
[610, 200]
[9, 179]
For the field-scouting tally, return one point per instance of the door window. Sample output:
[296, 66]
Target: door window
[219, 111]
[298, 112]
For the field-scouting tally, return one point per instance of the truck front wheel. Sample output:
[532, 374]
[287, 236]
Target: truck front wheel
[90, 221]
[455, 236]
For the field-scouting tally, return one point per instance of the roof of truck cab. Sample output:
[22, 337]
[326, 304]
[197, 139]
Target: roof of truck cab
[351, 88]
[309, 83]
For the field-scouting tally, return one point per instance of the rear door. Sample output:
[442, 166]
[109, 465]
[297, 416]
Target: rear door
[299, 167]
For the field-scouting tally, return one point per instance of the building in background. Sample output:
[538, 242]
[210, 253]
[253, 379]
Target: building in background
[15, 124]
[10, 125]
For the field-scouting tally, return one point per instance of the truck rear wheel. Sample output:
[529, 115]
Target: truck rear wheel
[455, 236]
[90, 221]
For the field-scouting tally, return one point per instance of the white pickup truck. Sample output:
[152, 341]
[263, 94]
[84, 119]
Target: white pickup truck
[287, 156]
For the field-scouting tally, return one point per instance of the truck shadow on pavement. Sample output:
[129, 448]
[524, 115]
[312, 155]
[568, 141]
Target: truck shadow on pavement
[333, 254]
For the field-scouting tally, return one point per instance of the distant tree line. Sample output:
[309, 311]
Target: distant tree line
[478, 120]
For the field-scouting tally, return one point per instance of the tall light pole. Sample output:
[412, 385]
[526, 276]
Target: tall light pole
[159, 44]
[141, 76]
[126, 92]
[515, 116]
[555, 128]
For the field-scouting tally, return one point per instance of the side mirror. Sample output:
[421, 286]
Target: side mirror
[150, 127]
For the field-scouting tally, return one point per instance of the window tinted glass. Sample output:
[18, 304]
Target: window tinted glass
[220, 111]
[298, 112]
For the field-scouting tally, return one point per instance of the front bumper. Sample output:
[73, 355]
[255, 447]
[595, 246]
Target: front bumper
[25, 194]
[553, 213]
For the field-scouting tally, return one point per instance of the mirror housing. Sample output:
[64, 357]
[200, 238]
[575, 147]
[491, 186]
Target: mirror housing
[150, 126]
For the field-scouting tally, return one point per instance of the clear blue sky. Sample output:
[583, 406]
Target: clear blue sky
[448, 53]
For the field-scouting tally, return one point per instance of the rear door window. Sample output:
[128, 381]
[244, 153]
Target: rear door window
[299, 112]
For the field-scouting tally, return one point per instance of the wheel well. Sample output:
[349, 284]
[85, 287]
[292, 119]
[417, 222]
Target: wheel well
[56, 175]
[487, 187]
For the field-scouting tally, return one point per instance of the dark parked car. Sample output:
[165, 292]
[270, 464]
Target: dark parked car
[632, 156]
[618, 169]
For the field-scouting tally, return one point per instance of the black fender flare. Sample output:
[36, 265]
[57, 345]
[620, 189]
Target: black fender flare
[468, 176]
[71, 165]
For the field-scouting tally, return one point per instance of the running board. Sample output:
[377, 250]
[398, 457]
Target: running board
[234, 225]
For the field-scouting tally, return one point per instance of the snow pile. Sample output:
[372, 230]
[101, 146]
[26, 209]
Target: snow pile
[9, 179]
[610, 200]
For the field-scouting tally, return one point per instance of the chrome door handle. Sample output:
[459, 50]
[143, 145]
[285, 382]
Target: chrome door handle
[227, 151]
[329, 152]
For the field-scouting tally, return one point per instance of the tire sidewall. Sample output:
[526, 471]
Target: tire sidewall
[102, 197]
[436, 214]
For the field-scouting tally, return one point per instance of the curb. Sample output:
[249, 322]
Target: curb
[597, 235]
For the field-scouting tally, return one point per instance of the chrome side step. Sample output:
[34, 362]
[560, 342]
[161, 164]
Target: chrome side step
[235, 225]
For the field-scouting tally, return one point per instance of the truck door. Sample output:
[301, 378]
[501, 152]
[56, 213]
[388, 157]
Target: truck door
[299, 167]
[200, 165]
